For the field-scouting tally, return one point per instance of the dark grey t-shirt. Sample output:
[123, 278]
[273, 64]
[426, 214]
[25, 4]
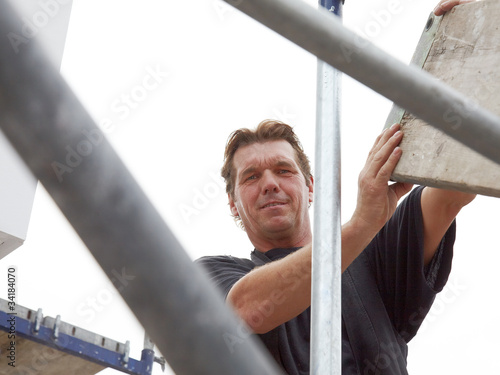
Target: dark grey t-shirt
[386, 293]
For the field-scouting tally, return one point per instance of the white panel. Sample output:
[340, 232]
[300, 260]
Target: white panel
[46, 22]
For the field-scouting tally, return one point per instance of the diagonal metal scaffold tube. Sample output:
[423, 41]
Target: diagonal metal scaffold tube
[320, 33]
[183, 314]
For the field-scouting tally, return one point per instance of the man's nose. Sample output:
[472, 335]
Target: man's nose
[269, 182]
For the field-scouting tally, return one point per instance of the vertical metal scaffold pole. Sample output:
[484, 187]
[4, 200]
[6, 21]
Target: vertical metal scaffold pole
[326, 338]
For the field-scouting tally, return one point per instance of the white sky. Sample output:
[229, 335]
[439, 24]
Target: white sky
[216, 71]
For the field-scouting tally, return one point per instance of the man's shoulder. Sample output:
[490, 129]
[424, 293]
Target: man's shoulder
[224, 261]
[225, 270]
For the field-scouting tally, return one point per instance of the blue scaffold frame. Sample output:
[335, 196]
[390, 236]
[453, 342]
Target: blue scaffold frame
[33, 329]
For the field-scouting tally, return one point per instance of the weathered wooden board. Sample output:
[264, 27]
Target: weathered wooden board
[34, 358]
[461, 49]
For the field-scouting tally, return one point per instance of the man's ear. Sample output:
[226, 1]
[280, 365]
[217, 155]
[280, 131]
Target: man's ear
[311, 189]
[232, 206]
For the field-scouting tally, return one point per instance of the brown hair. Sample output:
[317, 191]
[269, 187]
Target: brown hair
[267, 130]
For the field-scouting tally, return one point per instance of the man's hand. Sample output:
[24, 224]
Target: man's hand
[446, 5]
[377, 200]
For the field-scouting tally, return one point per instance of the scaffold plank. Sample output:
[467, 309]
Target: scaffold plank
[33, 357]
[462, 50]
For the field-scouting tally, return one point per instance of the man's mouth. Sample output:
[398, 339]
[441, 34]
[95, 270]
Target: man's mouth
[272, 204]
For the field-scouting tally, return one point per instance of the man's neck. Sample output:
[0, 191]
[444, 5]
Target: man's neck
[264, 245]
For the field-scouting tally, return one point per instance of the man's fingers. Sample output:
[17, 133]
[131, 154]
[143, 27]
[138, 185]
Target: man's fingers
[386, 158]
[400, 188]
[388, 164]
[446, 5]
[382, 140]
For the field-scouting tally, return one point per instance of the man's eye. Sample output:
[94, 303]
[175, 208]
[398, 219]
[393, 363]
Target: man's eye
[252, 177]
[284, 171]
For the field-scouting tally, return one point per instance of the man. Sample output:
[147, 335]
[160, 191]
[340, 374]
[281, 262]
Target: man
[394, 262]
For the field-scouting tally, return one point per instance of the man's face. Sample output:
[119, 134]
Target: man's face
[270, 192]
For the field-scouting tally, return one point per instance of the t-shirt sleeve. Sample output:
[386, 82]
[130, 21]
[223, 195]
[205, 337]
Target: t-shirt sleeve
[408, 289]
[225, 271]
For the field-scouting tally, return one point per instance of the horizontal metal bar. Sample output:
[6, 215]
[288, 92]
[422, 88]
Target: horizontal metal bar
[173, 300]
[411, 88]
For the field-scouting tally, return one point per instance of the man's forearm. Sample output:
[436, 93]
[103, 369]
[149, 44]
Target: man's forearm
[274, 293]
[355, 238]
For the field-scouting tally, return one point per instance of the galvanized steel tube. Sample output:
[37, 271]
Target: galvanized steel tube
[409, 87]
[58, 140]
[326, 315]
